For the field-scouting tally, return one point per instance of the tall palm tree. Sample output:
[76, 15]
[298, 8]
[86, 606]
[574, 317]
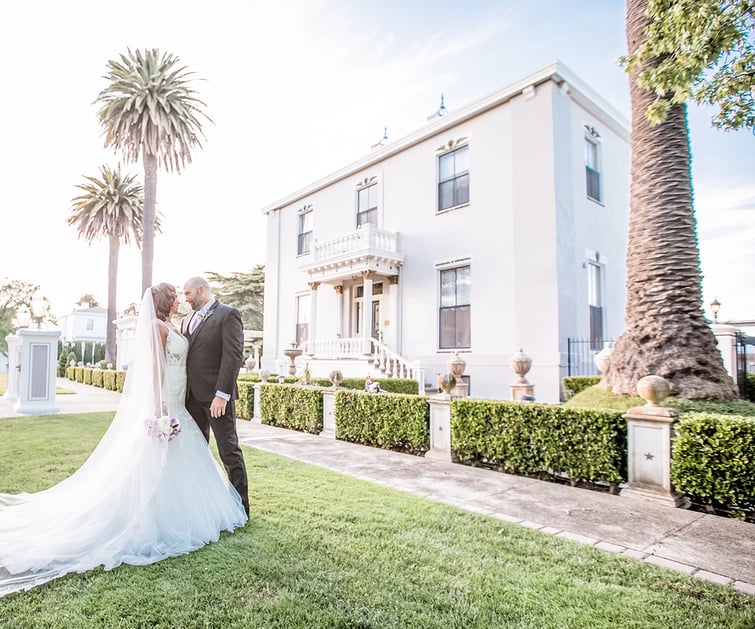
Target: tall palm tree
[150, 111]
[666, 331]
[109, 206]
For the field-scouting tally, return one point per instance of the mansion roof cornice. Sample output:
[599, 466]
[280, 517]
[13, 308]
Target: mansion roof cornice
[556, 72]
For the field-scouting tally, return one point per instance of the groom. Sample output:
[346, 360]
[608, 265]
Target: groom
[216, 346]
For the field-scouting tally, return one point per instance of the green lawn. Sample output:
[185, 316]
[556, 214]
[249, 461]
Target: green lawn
[325, 550]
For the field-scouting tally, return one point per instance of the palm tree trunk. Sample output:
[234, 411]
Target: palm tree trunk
[112, 278]
[666, 331]
[148, 219]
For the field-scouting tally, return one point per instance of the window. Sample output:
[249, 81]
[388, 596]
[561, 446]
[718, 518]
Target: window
[90, 325]
[595, 304]
[455, 309]
[453, 178]
[367, 205]
[302, 318]
[305, 232]
[592, 169]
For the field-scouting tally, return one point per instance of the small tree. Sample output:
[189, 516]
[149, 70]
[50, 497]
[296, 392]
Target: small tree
[13, 293]
[245, 291]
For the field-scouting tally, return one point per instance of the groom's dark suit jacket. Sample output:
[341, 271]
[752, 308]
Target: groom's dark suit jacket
[215, 355]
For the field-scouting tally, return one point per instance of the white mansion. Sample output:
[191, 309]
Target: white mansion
[493, 228]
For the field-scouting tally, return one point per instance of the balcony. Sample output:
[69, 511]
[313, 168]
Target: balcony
[366, 249]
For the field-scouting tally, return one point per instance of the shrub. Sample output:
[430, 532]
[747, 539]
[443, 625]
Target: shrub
[577, 384]
[750, 387]
[245, 403]
[108, 379]
[97, 380]
[538, 439]
[120, 378]
[712, 458]
[292, 406]
[78, 374]
[387, 420]
[88, 375]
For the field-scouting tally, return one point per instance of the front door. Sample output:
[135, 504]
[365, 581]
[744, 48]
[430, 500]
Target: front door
[376, 320]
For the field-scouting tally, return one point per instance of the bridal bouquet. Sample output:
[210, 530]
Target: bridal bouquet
[163, 428]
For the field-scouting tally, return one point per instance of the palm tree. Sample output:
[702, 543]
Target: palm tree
[666, 331]
[110, 206]
[150, 111]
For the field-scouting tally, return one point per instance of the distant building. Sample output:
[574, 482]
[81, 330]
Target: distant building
[499, 226]
[84, 324]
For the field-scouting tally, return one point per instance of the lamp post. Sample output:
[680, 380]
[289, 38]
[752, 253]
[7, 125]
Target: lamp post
[39, 308]
[23, 316]
[715, 306]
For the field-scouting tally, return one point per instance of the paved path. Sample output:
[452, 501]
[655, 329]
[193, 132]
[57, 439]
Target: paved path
[706, 546]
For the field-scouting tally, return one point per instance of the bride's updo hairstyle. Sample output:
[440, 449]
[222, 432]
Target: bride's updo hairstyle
[163, 295]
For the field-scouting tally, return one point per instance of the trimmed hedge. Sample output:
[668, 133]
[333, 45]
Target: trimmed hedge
[712, 459]
[538, 439]
[577, 384]
[245, 403]
[97, 379]
[392, 421]
[392, 385]
[292, 406]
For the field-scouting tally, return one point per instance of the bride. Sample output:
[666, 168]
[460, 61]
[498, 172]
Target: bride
[150, 490]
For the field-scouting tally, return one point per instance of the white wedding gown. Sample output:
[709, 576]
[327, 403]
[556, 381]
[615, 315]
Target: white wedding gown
[136, 500]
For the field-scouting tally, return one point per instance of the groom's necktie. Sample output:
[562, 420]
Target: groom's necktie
[195, 319]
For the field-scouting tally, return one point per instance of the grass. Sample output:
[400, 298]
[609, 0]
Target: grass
[325, 550]
[599, 398]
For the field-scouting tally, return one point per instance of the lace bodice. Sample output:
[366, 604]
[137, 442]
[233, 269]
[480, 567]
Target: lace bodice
[176, 350]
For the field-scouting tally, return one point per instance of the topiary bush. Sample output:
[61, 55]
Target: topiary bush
[97, 378]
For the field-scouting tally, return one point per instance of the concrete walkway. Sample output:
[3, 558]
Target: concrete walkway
[705, 546]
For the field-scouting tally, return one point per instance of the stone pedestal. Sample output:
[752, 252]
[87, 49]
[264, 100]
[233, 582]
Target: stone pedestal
[14, 366]
[649, 431]
[125, 331]
[726, 338]
[328, 414]
[39, 364]
[440, 427]
[256, 417]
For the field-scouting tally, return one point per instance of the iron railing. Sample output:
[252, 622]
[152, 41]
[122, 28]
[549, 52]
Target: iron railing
[581, 354]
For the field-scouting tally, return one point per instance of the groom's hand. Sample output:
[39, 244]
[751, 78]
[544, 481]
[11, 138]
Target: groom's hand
[217, 407]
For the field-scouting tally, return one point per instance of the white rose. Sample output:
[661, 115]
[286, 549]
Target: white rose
[164, 423]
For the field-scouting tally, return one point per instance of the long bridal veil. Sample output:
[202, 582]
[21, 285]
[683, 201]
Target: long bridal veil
[127, 502]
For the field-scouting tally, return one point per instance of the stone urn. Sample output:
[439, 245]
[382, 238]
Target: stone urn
[521, 364]
[603, 358]
[653, 389]
[446, 382]
[335, 378]
[456, 366]
[292, 353]
[264, 375]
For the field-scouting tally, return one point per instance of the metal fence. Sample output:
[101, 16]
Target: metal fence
[581, 354]
[745, 350]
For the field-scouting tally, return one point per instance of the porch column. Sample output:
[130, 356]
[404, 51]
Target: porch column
[394, 331]
[366, 312]
[312, 313]
[726, 337]
[339, 291]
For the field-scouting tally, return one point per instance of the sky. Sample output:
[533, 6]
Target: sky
[296, 90]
